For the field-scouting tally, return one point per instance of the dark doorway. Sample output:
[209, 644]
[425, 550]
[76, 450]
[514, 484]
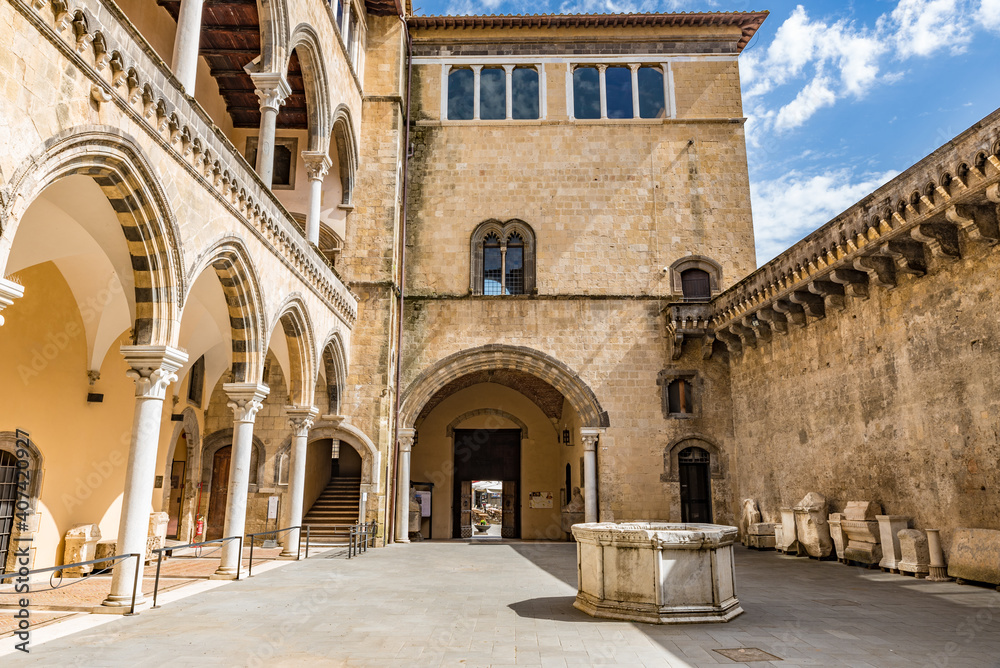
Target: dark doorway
[8, 497]
[694, 466]
[219, 492]
[696, 285]
[482, 454]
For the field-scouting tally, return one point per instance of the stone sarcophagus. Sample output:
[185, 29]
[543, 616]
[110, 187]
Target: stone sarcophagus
[889, 528]
[760, 536]
[915, 555]
[81, 545]
[784, 534]
[812, 529]
[862, 533]
[975, 555]
[656, 572]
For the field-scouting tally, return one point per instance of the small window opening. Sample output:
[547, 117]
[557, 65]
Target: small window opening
[586, 93]
[492, 266]
[492, 94]
[461, 91]
[651, 98]
[618, 89]
[524, 93]
[679, 396]
[514, 262]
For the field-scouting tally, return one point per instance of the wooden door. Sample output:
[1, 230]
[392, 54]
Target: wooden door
[510, 507]
[465, 514]
[176, 497]
[219, 493]
[694, 468]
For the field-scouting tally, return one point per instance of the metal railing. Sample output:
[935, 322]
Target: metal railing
[275, 532]
[159, 558]
[360, 536]
[54, 569]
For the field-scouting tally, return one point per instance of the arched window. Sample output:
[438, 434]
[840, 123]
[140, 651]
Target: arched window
[503, 259]
[696, 285]
[696, 278]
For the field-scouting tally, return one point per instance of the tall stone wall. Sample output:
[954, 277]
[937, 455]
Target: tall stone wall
[895, 399]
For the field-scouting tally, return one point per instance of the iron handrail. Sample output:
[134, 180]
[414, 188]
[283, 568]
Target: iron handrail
[274, 532]
[53, 569]
[368, 530]
[159, 559]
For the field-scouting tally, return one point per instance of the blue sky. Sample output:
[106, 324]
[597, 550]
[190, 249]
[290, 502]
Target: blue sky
[840, 96]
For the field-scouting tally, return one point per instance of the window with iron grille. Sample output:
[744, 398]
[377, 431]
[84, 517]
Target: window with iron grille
[8, 500]
[503, 259]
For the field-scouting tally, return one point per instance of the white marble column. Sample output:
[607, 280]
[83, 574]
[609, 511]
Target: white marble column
[590, 438]
[9, 291]
[476, 71]
[509, 76]
[301, 420]
[152, 368]
[187, 39]
[245, 399]
[317, 165]
[272, 90]
[635, 89]
[604, 90]
[403, 486]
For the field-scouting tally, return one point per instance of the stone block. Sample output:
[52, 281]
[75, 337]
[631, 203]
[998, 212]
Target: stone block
[812, 530]
[81, 545]
[760, 535]
[975, 555]
[862, 511]
[837, 534]
[863, 541]
[914, 552]
[158, 529]
[889, 528]
[787, 542]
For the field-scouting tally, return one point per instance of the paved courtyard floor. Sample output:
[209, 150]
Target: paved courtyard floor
[489, 603]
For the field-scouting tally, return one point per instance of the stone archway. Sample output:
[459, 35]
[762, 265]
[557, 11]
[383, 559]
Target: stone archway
[192, 432]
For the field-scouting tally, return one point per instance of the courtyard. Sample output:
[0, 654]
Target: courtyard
[498, 603]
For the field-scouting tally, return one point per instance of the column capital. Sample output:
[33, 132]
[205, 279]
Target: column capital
[9, 291]
[301, 418]
[245, 399]
[272, 89]
[406, 437]
[317, 164]
[508, 68]
[153, 368]
[602, 67]
[590, 436]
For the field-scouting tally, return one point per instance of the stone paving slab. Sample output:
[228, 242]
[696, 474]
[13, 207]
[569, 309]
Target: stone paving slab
[510, 604]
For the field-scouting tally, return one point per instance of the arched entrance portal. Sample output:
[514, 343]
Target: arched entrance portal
[497, 413]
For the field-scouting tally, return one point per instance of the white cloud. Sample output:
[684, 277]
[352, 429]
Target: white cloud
[923, 27]
[790, 207]
[989, 14]
[810, 99]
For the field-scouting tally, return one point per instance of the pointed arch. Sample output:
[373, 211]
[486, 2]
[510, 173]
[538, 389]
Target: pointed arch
[503, 231]
[334, 359]
[273, 19]
[347, 152]
[125, 175]
[230, 260]
[306, 43]
[293, 316]
[499, 356]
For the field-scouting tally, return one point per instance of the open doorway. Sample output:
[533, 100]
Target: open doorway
[178, 476]
[491, 458]
[487, 508]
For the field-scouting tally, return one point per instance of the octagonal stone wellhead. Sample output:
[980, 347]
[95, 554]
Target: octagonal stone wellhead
[656, 572]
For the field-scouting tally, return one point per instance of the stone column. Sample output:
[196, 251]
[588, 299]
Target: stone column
[272, 91]
[317, 166]
[301, 420]
[403, 486]
[635, 89]
[590, 438]
[152, 368]
[186, 43]
[604, 90]
[245, 399]
[476, 70]
[509, 74]
[9, 291]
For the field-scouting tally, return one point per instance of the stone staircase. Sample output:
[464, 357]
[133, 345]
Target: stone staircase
[337, 506]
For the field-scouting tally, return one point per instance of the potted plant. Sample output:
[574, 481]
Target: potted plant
[482, 526]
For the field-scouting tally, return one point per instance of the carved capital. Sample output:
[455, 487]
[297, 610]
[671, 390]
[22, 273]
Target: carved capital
[9, 291]
[317, 164]
[406, 438]
[153, 368]
[301, 418]
[589, 438]
[246, 399]
[272, 89]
